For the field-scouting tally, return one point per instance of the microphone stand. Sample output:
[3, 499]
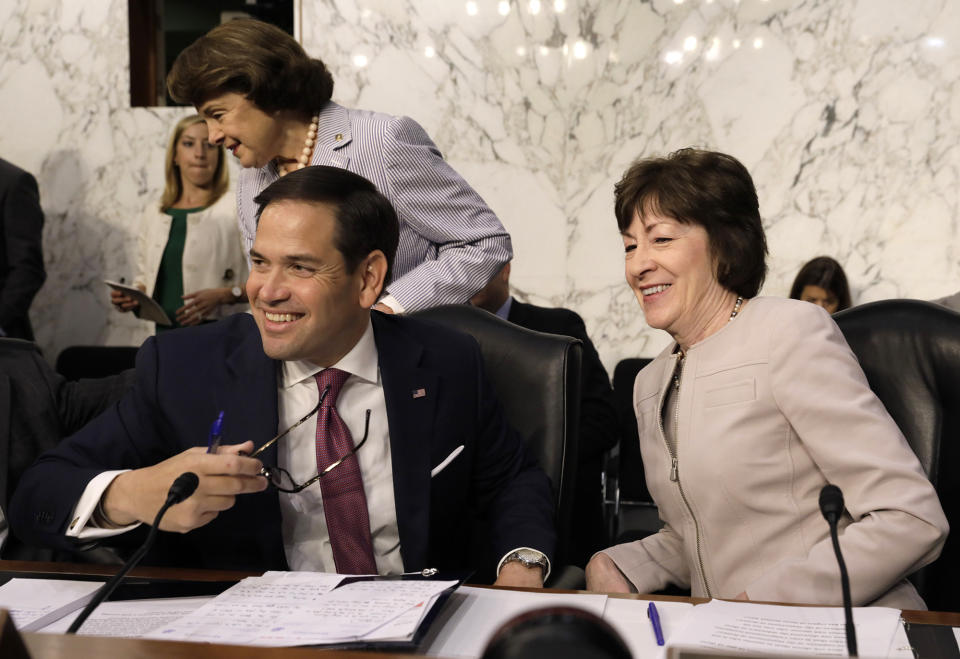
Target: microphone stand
[182, 488]
[831, 505]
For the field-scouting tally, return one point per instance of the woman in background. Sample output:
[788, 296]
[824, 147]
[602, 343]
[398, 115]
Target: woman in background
[822, 282]
[190, 257]
[756, 405]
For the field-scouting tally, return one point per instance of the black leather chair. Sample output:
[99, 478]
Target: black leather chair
[77, 362]
[537, 379]
[626, 486]
[910, 353]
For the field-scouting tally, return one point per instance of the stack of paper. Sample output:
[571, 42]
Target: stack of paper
[302, 608]
[787, 630]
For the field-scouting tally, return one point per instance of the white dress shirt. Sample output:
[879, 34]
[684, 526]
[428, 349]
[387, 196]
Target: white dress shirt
[305, 537]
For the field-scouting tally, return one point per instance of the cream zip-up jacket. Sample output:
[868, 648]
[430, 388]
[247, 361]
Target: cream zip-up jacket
[212, 253]
[770, 409]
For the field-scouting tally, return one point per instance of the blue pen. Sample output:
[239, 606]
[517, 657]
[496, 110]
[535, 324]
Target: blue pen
[655, 621]
[216, 434]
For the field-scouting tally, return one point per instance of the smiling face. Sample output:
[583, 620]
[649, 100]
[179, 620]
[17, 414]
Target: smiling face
[671, 270]
[249, 133]
[195, 156]
[306, 303]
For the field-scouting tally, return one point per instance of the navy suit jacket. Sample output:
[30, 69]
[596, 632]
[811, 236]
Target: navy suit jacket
[185, 377]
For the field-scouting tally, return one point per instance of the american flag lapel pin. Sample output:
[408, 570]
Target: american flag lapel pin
[419, 393]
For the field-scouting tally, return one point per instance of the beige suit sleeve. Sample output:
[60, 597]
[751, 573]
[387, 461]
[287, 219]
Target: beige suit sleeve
[653, 563]
[895, 524]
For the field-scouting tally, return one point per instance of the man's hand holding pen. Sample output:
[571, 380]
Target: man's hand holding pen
[136, 496]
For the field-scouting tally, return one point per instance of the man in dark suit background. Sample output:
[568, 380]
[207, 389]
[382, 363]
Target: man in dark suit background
[422, 445]
[598, 417]
[38, 407]
[21, 252]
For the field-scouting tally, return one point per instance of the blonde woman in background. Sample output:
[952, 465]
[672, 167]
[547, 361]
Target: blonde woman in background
[190, 257]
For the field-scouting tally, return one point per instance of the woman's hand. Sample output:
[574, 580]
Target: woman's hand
[199, 304]
[124, 302]
[603, 576]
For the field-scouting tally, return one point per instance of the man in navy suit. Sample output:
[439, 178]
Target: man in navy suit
[420, 446]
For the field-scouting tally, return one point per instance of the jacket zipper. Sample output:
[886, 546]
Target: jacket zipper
[674, 469]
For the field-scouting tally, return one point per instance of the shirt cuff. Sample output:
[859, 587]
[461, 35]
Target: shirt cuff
[82, 524]
[546, 571]
[391, 302]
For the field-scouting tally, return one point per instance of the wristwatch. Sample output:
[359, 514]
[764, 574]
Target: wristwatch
[237, 292]
[529, 558]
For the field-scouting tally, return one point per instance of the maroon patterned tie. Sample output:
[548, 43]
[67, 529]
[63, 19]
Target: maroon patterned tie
[344, 503]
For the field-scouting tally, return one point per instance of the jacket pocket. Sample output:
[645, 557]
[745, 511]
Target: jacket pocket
[743, 391]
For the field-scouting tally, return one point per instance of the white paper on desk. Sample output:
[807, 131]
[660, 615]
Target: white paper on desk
[300, 609]
[403, 627]
[149, 309]
[352, 612]
[629, 618]
[129, 618]
[472, 615]
[772, 629]
[238, 614]
[35, 603]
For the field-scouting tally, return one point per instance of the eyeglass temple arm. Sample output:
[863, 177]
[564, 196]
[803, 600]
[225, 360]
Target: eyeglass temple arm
[323, 395]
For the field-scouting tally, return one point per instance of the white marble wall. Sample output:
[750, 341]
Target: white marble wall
[847, 114]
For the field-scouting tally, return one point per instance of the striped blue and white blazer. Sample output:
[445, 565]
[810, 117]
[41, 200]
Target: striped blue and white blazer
[451, 243]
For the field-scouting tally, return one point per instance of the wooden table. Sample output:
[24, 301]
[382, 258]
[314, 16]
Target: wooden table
[55, 646]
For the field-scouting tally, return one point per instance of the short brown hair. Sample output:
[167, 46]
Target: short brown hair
[366, 220]
[256, 59]
[710, 189]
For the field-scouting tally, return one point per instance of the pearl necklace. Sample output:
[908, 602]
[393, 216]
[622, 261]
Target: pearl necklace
[307, 152]
[309, 143]
[736, 308]
[679, 365]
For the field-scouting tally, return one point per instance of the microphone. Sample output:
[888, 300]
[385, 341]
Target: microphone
[184, 486]
[831, 506]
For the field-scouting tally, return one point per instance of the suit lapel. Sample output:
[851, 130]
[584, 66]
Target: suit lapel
[410, 392]
[333, 134]
[249, 391]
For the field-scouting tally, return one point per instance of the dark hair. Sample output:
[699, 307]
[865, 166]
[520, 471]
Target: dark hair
[710, 189]
[365, 218]
[255, 59]
[826, 273]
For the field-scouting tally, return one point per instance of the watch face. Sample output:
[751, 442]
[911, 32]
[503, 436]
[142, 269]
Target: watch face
[237, 291]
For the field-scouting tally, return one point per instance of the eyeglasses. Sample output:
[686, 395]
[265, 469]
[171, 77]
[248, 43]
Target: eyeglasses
[281, 479]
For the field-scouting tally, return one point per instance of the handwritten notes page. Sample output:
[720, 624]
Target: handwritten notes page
[129, 618]
[300, 608]
[771, 629]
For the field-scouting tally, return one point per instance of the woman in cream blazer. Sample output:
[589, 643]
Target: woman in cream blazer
[212, 253]
[757, 405]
